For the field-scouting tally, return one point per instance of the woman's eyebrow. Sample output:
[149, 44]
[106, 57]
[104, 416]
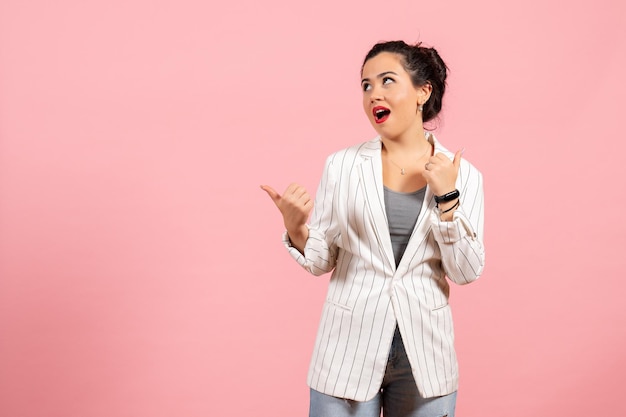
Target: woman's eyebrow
[381, 75]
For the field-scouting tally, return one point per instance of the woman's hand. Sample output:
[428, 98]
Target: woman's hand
[440, 173]
[295, 205]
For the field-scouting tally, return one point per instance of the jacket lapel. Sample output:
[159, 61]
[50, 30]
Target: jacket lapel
[371, 176]
[423, 225]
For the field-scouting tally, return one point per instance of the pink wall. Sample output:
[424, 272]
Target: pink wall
[141, 270]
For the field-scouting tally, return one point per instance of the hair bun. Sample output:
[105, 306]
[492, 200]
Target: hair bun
[438, 68]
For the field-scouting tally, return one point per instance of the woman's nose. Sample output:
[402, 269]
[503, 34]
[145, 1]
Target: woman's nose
[375, 96]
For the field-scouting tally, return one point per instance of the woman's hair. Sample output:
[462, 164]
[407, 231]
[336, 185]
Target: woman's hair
[424, 65]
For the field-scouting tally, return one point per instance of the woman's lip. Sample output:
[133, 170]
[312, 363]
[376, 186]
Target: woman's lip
[382, 119]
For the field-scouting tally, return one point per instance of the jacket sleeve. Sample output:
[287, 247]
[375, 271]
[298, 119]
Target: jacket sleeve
[461, 240]
[320, 250]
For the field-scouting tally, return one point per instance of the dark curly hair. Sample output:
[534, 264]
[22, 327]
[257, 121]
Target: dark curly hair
[424, 65]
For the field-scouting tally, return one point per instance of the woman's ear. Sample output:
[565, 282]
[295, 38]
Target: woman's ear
[423, 93]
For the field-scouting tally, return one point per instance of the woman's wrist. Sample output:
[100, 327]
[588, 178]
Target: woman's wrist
[298, 237]
[447, 209]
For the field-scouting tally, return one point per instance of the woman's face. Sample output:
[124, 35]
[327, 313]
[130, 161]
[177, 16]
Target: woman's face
[390, 100]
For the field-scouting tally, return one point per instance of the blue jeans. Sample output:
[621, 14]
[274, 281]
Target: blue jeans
[398, 395]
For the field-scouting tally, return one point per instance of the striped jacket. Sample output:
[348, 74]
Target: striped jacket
[367, 294]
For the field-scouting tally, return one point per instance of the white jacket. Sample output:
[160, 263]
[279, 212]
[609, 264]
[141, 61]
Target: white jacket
[368, 295]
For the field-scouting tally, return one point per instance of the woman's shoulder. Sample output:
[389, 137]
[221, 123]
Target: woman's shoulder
[363, 149]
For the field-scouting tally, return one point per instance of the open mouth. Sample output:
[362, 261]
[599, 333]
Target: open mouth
[381, 114]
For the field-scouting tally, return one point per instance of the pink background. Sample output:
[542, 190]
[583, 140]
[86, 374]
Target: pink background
[141, 269]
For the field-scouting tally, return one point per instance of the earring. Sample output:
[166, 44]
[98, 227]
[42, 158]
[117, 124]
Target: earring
[420, 108]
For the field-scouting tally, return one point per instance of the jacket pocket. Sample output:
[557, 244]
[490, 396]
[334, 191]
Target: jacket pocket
[343, 307]
[438, 308]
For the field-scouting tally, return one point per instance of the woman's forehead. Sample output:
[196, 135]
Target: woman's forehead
[383, 62]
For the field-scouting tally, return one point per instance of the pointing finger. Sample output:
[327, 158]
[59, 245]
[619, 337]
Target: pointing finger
[271, 192]
[457, 159]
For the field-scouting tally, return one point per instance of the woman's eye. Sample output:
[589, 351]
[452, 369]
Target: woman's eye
[366, 86]
[387, 80]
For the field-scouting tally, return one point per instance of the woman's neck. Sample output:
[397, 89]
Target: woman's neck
[416, 143]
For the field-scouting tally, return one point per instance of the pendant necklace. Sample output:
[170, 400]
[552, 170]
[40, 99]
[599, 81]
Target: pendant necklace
[402, 170]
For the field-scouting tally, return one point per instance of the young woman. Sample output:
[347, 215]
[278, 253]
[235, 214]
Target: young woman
[393, 217]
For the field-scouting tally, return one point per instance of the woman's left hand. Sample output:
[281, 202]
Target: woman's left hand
[440, 173]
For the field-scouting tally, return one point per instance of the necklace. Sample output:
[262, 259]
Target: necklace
[402, 170]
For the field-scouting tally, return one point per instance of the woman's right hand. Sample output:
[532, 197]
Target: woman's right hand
[295, 205]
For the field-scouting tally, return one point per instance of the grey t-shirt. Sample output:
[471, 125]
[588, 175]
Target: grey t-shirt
[403, 210]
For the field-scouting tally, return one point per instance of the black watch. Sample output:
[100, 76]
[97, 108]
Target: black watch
[447, 197]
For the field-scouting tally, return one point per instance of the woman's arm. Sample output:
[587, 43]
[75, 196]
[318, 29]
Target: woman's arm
[319, 254]
[461, 239]
[313, 246]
